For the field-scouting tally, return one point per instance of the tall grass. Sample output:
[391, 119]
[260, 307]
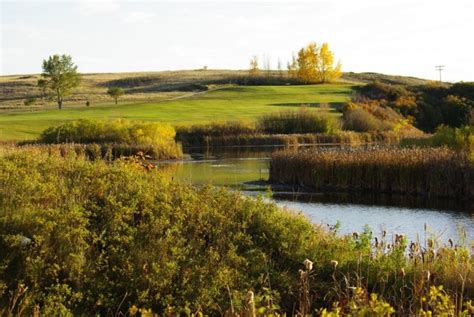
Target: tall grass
[432, 172]
[120, 136]
[298, 121]
[82, 237]
[241, 134]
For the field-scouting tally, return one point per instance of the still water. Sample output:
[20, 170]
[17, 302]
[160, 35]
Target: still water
[245, 169]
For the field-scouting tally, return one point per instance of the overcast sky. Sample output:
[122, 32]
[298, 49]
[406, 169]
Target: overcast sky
[405, 37]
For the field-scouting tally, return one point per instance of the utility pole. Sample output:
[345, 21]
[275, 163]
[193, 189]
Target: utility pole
[440, 69]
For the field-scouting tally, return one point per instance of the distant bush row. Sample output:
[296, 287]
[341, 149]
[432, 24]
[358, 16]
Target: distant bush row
[378, 124]
[429, 105]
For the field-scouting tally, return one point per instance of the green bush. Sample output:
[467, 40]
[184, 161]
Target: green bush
[456, 138]
[300, 121]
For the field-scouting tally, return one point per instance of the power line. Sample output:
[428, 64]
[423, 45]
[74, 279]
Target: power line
[439, 68]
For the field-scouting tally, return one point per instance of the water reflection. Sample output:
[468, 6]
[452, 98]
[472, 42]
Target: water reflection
[247, 169]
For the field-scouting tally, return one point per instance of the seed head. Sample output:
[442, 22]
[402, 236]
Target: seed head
[308, 264]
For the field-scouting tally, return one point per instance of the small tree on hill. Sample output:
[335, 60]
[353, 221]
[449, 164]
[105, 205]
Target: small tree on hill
[43, 86]
[60, 77]
[315, 64]
[254, 70]
[293, 67]
[115, 92]
[326, 71]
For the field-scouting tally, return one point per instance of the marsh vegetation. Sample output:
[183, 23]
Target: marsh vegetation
[90, 237]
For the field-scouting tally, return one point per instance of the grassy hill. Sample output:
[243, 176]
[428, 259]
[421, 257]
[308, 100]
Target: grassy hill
[177, 97]
[227, 103]
[154, 86]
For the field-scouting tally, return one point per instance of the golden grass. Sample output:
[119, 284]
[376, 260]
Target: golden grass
[432, 172]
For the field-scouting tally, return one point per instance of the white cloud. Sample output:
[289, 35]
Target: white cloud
[97, 7]
[138, 17]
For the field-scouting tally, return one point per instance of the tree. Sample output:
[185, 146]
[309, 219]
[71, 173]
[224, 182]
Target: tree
[326, 72]
[280, 69]
[60, 77]
[115, 92]
[43, 86]
[316, 64]
[254, 70]
[267, 65]
[307, 63]
[293, 67]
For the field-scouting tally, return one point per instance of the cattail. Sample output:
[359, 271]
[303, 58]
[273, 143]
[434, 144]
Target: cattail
[430, 243]
[301, 274]
[450, 242]
[427, 275]
[402, 272]
[251, 303]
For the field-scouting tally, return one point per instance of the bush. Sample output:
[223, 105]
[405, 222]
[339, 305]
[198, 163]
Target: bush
[456, 138]
[300, 121]
[118, 138]
[360, 120]
[118, 131]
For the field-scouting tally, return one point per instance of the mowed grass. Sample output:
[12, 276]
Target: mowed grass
[231, 103]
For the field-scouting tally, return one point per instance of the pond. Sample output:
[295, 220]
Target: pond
[246, 169]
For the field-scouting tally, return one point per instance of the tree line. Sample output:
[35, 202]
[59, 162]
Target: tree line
[313, 64]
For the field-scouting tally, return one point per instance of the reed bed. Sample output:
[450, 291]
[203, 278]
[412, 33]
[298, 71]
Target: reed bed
[439, 172]
[258, 139]
[105, 151]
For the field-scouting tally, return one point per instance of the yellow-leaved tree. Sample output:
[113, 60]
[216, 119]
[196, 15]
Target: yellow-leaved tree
[316, 64]
[307, 63]
[254, 70]
[326, 71]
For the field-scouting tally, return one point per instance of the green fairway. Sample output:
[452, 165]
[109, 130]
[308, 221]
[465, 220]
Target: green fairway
[234, 103]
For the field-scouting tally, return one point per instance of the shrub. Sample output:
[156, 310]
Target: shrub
[29, 101]
[456, 138]
[300, 121]
[360, 120]
[118, 131]
[120, 137]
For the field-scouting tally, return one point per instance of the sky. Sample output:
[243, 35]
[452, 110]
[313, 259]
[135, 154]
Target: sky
[400, 37]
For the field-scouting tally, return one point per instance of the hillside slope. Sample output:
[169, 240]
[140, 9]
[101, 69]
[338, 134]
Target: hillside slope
[147, 86]
[224, 104]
